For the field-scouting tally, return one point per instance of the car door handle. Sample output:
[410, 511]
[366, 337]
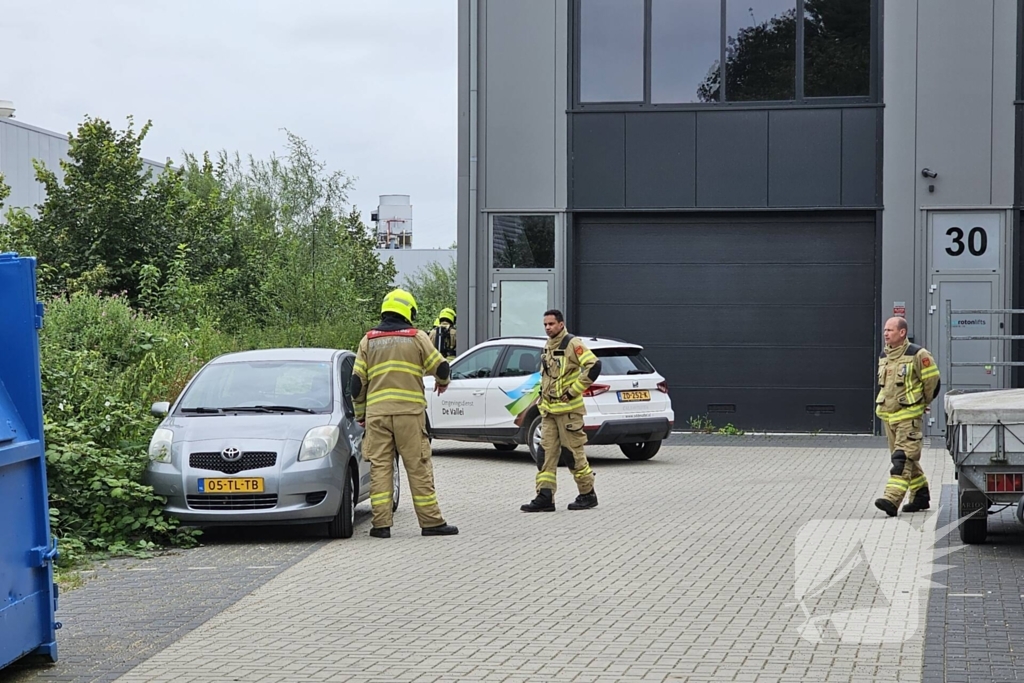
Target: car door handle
[479, 393]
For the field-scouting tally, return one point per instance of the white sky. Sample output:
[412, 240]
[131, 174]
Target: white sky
[371, 84]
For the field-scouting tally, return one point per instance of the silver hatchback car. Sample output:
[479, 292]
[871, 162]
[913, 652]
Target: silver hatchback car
[264, 437]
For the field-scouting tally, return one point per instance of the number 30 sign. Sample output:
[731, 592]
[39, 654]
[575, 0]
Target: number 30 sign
[965, 241]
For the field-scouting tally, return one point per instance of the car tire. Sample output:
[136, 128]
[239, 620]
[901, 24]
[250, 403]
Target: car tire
[640, 451]
[533, 440]
[396, 490]
[505, 446]
[343, 524]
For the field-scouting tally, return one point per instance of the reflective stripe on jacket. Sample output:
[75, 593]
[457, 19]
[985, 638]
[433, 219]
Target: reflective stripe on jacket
[391, 365]
[565, 375]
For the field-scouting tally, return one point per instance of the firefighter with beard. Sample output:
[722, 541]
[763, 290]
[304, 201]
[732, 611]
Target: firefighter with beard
[568, 367]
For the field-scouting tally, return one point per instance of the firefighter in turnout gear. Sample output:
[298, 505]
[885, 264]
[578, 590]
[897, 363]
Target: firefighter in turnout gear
[908, 381]
[442, 336]
[387, 390]
[568, 367]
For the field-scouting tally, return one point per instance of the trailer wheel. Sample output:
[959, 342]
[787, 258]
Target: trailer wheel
[974, 503]
[974, 531]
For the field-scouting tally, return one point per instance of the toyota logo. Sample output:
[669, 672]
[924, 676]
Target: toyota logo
[231, 455]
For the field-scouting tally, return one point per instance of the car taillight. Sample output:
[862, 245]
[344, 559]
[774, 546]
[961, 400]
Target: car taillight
[1001, 482]
[596, 390]
[663, 386]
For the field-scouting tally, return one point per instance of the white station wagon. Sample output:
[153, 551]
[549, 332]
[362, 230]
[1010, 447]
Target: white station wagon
[495, 387]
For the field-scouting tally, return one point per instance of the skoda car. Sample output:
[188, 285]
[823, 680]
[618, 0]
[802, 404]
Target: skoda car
[495, 386]
[264, 437]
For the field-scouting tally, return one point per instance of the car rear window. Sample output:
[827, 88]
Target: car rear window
[623, 362]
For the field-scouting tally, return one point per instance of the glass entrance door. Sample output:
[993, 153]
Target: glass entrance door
[518, 305]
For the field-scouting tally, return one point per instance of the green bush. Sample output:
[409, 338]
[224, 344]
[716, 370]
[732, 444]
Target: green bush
[103, 364]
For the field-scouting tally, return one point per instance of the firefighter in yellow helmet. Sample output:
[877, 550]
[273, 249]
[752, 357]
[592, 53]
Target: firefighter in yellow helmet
[908, 380]
[442, 336]
[568, 367]
[387, 390]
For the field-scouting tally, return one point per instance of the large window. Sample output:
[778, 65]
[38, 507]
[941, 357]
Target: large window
[707, 51]
[524, 241]
[611, 50]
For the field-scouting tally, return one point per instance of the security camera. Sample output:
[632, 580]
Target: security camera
[928, 173]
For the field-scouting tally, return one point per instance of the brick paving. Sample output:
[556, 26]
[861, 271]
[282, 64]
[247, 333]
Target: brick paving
[684, 572]
[128, 610]
[668, 580]
[976, 622]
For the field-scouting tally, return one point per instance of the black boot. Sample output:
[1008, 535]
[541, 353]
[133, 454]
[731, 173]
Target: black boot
[381, 532]
[442, 530]
[921, 501]
[544, 502]
[584, 501]
[886, 506]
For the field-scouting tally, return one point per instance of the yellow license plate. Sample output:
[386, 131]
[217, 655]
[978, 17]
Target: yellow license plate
[233, 485]
[626, 396]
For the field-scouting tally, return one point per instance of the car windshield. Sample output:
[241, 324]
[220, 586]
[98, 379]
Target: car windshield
[286, 386]
[623, 361]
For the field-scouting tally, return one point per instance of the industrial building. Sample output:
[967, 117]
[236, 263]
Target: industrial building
[746, 189]
[20, 143]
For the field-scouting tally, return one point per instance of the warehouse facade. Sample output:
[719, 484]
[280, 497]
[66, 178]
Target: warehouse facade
[746, 191]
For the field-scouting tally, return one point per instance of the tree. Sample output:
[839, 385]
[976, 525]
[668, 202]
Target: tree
[105, 215]
[315, 256]
[435, 288]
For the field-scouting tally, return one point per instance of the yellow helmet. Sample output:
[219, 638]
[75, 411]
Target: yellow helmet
[401, 302]
[447, 313]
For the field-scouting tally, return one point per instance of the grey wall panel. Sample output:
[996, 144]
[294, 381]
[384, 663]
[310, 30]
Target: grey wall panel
[1004, 87]
[599, 161]
[860, 158]
[770, 314]
[804, 157]
[954, 101]
[520, 103]
[561, 37]
[660, 151]
[732, 159]
[899, 162]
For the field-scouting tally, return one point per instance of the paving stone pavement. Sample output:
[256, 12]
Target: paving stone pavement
[976, 619]
[684, 572]
[128, 610]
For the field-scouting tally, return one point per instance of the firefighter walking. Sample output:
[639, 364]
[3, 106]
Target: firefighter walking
[387, 390]
[908, 381]
[568, 367]
[442, 336]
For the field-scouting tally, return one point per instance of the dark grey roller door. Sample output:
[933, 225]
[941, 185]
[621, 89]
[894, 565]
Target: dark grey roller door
[765, 323]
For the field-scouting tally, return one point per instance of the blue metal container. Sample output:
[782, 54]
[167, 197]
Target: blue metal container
[28, 597]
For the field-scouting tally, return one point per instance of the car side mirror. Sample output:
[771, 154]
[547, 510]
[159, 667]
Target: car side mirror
[160, 409]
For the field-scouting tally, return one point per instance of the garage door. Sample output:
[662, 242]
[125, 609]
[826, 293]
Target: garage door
[762, 323]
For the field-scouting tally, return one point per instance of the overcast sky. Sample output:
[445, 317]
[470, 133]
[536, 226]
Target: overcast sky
[371, 84]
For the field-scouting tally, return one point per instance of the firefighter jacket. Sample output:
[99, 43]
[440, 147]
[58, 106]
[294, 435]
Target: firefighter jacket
[442, 338]
[568, 367]
[387, 378]
[908, 380]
